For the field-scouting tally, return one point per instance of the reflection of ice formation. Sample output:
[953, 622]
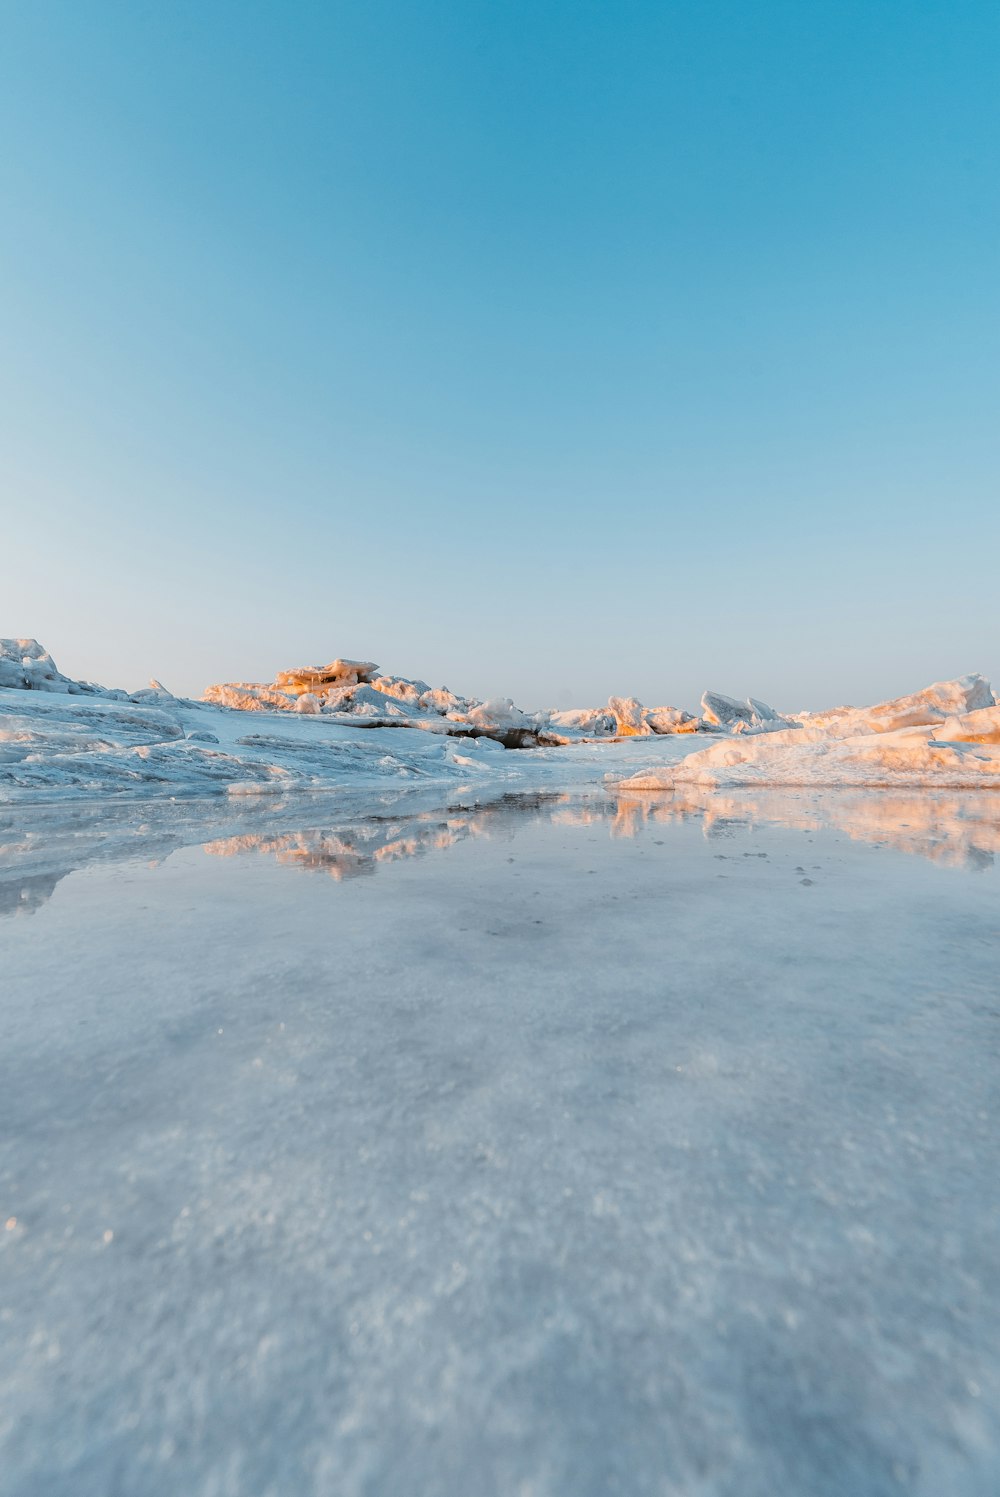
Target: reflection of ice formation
[366, 844]
[961, 829]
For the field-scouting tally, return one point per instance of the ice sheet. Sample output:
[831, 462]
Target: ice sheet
[639, 1145]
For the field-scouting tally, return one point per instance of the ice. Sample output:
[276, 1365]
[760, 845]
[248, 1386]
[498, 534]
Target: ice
[321, 678]
[749, 716]
[588, 722]
[560, 1146]
[671, 720]
[923, 708]
[947, 736]
[25, 665]
[623, 717]
[908, 756]
[354, 688]
[629, 715]
[63, 737]
[980, 726]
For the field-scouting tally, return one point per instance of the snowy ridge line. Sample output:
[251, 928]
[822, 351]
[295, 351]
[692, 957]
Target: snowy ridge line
[345, 725]
[357, 689]
[947, 736]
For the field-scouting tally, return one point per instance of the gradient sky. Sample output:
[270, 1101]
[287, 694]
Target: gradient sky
[543, 349]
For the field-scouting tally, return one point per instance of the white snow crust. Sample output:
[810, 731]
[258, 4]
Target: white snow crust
[345, 723]
[946, 736]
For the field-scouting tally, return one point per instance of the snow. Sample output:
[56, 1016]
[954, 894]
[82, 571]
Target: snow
[749, 716]
[923, 708]
[981, 726]
[945, 737]
[26, 665]
[551, 1146]
[350, 688]
[322, 727]
[54, 746]
[906, 757]
[631, 1142]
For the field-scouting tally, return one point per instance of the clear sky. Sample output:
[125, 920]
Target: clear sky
[543, 349]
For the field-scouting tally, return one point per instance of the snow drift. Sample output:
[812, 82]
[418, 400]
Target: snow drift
[357, 689]
[327, 726]
[947, 736]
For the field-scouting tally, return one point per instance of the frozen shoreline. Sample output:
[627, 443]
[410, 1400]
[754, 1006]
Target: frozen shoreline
[345, 727]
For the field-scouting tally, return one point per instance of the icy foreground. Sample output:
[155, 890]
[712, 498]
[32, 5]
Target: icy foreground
[574, 1152]
[345, 725]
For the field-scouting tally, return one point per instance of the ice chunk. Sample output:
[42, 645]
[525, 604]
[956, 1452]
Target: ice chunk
[801, 756]
[740, 717]
[498, 712]
[25, 665]
[981, 726]
[671, 720]
[247, 696]
[933, 705]
[410, 692]
[630, 717]
[318, 678]
[590, 722]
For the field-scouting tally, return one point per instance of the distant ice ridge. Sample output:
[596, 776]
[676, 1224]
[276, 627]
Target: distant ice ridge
[347, 725]
[358, 689]
[25, 665]
[946, 736]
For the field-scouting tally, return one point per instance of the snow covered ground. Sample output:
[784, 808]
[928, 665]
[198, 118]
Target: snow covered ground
[345, 726]
[587, 1144]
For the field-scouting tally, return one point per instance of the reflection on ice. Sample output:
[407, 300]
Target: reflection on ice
[961, 829]
[362, 846]
[581, 1156]
[958, 829]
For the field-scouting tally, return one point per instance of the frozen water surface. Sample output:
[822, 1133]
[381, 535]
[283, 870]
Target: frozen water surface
[609, 1146]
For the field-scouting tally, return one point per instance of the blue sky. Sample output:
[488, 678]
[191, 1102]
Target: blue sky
[544, 349]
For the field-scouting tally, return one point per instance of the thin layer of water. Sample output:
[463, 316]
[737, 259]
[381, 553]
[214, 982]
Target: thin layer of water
[639, 1146]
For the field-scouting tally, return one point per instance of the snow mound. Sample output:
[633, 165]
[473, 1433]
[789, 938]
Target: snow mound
[25, 665]
[584, 722]
[935, 704]
[750, 716]
[906, 757]
[320, 678]
[672, 720]
[357, 689]
[947, 736]
[981, 726]
[623, 717]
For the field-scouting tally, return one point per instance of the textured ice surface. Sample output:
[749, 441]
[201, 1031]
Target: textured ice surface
[62, 747]
[314, 729]
[639, 1146]
[914, 756]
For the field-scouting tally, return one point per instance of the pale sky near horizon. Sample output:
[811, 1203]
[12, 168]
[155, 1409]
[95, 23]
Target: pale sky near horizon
[536, 349]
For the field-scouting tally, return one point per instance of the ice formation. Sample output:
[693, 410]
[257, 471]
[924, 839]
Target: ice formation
[323, 727]
[358, 689]
[751, 716]
[933, 705]
[25, 665]
[947, 735]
